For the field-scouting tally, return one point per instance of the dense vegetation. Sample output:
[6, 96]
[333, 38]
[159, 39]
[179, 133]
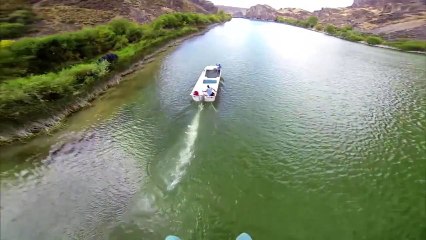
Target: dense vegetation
[372, 40]
[348, 33]
[16, 17]
[38, 75]
[308, 23]
[408, 45]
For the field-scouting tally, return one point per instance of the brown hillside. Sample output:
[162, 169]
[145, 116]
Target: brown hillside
[389, 18]
[63, 15]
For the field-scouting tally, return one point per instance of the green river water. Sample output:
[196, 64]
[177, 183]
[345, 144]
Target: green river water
[311, 137]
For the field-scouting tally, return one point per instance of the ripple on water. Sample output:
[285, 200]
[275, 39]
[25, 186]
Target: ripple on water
[73, 186]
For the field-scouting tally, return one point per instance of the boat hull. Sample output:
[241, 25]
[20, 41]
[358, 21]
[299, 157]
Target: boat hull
[209, 98]
[197, 98]
[210, 76]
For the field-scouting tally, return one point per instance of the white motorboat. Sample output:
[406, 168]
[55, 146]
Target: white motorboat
[209, 78]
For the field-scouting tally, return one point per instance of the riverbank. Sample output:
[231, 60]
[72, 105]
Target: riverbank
[349, 34]
[21, 119]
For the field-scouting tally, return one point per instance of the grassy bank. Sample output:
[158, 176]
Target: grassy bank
[349, 34]
[44, 75]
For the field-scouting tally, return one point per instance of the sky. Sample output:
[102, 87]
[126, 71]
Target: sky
[309, 5]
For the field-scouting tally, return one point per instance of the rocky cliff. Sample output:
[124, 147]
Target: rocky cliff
[262, 12]
[295, 13]
[389, 18]
[62, 15]
[382, 3]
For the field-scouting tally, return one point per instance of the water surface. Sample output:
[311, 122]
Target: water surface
[312, 137]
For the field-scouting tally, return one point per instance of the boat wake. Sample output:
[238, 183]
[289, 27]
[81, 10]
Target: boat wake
[186, 153]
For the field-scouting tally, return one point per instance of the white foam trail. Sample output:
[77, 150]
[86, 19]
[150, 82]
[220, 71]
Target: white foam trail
[214, 108]
[186, 153]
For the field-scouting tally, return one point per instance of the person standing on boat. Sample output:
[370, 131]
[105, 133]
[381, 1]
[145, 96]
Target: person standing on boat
[218, 67]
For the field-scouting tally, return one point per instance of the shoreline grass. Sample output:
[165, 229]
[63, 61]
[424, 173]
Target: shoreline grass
[349, 34]
[33, 96]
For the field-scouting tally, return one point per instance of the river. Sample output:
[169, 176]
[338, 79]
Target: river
[311, 137]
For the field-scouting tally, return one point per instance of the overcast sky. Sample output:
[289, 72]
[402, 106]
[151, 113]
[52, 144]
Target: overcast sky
[305, 4]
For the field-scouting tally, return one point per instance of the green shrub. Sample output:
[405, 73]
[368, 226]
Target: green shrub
[214, 18]
[408, 45]
[349, 35]
[374, 40]
[347, 28]
[224, 16]
[330, 29]
[165, 21]
[6, 43]
[121, 42]
[319, 27]
[294, 22]
[177, 20]
[11, 30]
[202, 20]
[189, 18]
[119, 26]
[134, 34]
[312, 21]
[355, 37]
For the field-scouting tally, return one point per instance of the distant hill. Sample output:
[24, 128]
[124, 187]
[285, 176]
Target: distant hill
[296, 13]
[262, 12]
[265, 12]
[234, 11]
[389, 18]
[382, 3]
[62, 15]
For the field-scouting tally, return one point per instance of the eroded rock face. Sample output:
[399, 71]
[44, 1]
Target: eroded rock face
[389, 18]
[295, 13]
[262, 12]
[206, 5]
[68, 15]
[382, 3]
